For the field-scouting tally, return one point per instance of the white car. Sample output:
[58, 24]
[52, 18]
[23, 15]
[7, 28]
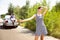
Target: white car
[10, 22]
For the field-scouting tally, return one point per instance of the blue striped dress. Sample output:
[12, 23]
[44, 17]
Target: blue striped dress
[40, 26]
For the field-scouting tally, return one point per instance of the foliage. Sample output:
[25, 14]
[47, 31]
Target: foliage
[3, 15]
[10, 9]
[52, 21]
[23, 11]
[17, 12]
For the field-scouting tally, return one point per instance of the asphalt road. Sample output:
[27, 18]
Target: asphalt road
[19, 33]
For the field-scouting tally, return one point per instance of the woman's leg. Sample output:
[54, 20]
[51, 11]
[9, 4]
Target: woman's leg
[42, 37]
[36, 37]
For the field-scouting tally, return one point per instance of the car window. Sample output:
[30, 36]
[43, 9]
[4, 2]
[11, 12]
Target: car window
[7, 17]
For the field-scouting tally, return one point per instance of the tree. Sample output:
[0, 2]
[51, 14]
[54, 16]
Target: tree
[23, 11]
[56, 14]
[52, 21]
[10, 9]
[44, 3]
[57, 7]
[17, 12]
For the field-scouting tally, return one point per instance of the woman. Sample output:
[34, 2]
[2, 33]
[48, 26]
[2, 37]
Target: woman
[12, 18]
[40, 26]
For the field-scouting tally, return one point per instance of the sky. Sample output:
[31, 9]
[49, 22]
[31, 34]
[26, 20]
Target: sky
[4, 4]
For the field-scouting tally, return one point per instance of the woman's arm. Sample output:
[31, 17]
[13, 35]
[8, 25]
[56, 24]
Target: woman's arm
[45, 10]
[28, 19]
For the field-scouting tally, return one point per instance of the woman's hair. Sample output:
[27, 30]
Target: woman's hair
[39, 7]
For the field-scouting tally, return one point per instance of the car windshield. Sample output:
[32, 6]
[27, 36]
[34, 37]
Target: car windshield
[7, 17]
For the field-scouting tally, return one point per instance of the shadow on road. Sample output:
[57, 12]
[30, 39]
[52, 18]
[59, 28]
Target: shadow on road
[27, 31]
[7, 27]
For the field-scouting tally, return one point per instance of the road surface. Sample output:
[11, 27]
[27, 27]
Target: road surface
[19, 33]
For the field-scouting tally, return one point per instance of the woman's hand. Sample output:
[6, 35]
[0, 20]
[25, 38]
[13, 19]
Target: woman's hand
[44, 6]
[20, 20]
